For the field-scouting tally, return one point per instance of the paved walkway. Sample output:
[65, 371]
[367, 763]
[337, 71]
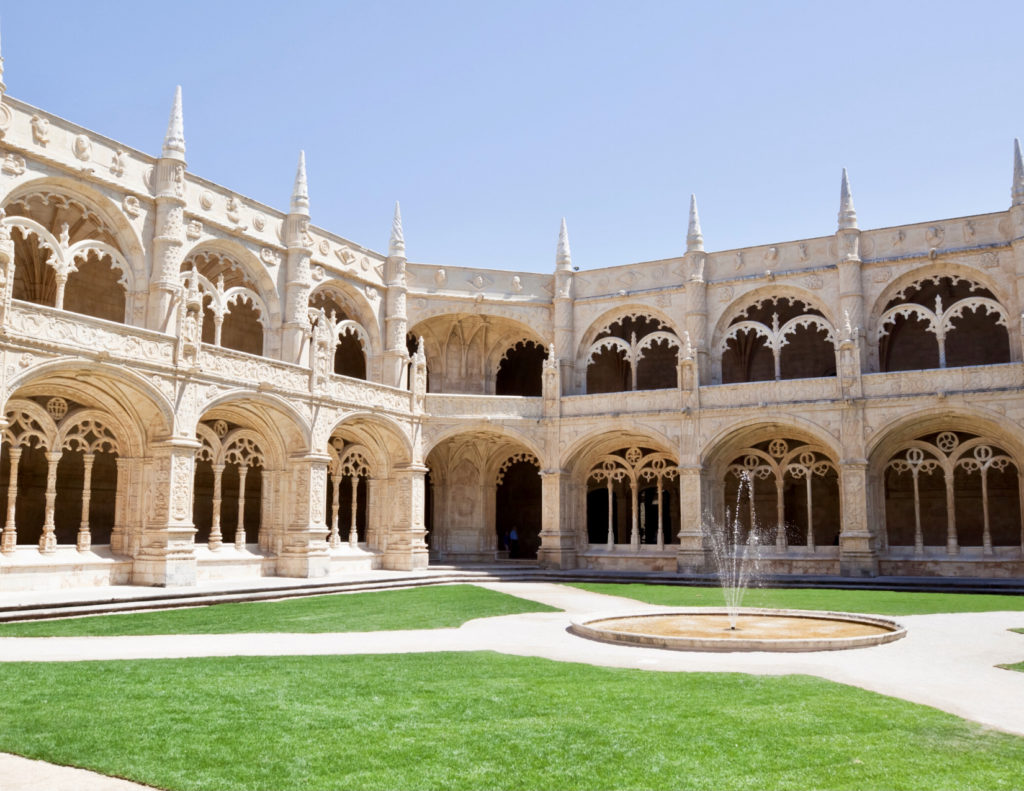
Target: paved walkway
[945, 661]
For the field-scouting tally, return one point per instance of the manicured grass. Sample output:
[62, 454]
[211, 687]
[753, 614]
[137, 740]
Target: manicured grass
[482, 721]
[865, 601]
[429, 607]
[1019, 666]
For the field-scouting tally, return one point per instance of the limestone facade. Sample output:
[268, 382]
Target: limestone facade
[198, 386]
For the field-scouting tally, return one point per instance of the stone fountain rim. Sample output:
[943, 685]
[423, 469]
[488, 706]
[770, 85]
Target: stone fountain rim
[585, 627]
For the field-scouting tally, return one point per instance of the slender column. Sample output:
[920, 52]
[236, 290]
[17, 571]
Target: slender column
[661, 519]
[986, 534]
[1020, 500]
[353, 532]
[611, 518]
[810, 518]
[117, 533]
[634, 533]
[952, 546]
[84, 535]
[942, 351]
[777, 354]
[218, 324]
[10, 537]
[918, 531]
[780, 513]
[240, 528]
[216, 540]
[48, 540]
[62, 281]
[334, 540]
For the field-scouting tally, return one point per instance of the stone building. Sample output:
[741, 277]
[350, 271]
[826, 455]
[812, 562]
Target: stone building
[198, 386]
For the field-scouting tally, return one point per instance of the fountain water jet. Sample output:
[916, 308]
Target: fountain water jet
[737, 562]
[737, 559]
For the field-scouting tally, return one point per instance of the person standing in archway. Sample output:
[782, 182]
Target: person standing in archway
[513, 542]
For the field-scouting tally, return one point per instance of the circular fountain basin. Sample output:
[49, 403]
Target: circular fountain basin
[699, 629]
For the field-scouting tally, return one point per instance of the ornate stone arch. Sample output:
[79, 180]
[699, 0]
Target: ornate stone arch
[386, 441]
[937, 317]
[358, 309]
[284, 429]
[774, 334]
[598, 361]
[128, 239]
[82, 233]
[513, 435]
[142, 410]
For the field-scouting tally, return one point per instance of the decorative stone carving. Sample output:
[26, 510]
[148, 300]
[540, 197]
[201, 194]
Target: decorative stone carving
[81, 147]
[193, 230]
[14, 165]
[40, 130]
[206, 200]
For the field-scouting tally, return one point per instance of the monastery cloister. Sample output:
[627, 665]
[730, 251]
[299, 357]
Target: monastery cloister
[196, 386]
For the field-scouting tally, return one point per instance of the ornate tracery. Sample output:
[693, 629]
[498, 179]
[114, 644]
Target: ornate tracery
[347, 462]
[948, 454]
[224, 446]
[56, 429]
[962, 317]
[613, 360]
[634, 467]
[774, 461]
[778, 338]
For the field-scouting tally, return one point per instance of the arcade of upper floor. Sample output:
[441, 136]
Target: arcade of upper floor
[137, 259]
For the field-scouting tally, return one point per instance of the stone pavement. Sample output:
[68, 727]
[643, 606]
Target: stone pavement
[945, 661]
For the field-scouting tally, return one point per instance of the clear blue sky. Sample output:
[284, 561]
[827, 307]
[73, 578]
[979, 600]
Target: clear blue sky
[490, 121]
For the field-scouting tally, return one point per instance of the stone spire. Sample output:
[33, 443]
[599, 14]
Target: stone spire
[174, 142]
[300, 193]
[847, 214]
[563, 257]
[396, 244]
[1017, 193]
[694, 237]
[2, 86]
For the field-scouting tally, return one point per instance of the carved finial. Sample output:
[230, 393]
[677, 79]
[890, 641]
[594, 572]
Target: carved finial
[847, 214]
[563, 257]
[1017, 193]
[849, 331]
[300, 193]
[420, 349]
[2, 86]
[551, 361]
[396, 244]
[687, 350]
[694, 237]
[174, 142]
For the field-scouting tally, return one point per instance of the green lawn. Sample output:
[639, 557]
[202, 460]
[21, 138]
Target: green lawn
[430, 607]
[879, 602]
[482, 721]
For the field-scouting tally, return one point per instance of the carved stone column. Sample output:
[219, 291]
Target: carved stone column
[169, 228]
[166, 555]
[690, 558]
[48, 540]
[407, 548]
[557, 534]
[84, 534]
[564, 320]
[857, 556]
[304, 550]
[396, 322]
[299, 281]
[10, 537]
[117, 533]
